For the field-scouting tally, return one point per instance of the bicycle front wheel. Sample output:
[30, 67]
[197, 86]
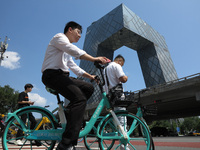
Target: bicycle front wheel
[9, 141]
[91, 140]
[138, 135]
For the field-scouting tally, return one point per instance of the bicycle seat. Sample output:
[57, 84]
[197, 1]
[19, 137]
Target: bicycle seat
[52, 91]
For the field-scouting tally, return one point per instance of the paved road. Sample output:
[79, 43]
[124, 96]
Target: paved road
[161, 143]
[177, 143]
[171, 143]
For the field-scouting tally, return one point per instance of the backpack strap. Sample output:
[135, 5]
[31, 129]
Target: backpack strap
[107, 78]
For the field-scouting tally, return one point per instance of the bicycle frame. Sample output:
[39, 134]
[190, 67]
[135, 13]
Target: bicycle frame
[43, 121]
[96, 114]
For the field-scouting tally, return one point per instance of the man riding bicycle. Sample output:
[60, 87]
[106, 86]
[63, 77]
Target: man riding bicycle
[57, 62]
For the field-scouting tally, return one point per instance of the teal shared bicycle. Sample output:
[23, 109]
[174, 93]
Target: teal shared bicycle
[92, 139]
[111, 133]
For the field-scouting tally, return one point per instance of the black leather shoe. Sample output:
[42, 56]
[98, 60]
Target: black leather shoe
[62, 146]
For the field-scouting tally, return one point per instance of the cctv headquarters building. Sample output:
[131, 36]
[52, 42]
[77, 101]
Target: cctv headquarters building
[122, 27]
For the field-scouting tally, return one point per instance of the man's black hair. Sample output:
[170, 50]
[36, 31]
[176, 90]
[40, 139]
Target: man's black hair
[119, 56]
[73, 25]
[28, 86]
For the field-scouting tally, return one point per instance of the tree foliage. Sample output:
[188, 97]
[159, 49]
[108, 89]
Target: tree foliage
[169, 124]
[8, 99]
[190, 124]
[187, 125]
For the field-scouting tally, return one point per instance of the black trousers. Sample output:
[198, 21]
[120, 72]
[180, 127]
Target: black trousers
[77, 92]
[31, 119]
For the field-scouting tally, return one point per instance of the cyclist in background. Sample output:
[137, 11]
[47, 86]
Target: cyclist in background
[24, 101]
[113, 75]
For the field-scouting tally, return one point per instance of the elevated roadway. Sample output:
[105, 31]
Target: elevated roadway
[175, 99]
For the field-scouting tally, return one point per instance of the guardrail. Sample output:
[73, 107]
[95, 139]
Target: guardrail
[170, 82]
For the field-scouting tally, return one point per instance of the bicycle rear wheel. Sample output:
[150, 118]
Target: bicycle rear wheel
[137, 132]
[8, 141]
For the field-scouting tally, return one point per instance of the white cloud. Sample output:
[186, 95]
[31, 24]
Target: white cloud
[39, 101]
[11, 60]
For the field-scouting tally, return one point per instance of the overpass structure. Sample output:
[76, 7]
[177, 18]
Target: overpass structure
[175, 99]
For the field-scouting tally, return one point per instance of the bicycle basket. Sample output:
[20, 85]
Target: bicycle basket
[123, 99]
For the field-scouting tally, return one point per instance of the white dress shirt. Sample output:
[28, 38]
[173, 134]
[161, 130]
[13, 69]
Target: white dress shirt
[59, 55]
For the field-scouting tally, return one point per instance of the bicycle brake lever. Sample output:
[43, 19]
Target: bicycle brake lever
[96, 78]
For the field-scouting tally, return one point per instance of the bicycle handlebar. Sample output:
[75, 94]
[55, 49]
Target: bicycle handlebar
[98, 65]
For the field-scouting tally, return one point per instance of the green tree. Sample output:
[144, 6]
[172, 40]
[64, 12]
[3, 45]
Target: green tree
[161, 123]
[169, 124]
[190, 124]
[8, 99]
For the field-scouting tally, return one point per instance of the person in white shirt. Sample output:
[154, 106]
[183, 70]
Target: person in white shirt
[116, 75]
[57, 62]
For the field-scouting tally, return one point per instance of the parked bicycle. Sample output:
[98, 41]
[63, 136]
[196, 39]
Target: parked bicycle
[108, 129]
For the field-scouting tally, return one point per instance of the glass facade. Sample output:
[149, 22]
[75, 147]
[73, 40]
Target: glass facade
[122, 27]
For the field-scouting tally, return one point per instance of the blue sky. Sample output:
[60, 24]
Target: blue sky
[31, 24]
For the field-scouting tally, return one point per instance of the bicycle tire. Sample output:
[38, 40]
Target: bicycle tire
[134, 141]
[27, 143]
[152, 143]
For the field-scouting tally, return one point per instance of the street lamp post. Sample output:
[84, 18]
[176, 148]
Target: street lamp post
[3, 47]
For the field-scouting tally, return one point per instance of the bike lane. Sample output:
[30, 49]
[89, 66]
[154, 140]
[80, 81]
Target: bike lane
[161, 143]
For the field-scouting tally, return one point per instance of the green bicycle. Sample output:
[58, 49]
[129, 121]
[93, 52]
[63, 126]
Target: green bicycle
[109, 129]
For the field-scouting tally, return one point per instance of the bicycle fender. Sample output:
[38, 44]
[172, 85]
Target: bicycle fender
[10, 115]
